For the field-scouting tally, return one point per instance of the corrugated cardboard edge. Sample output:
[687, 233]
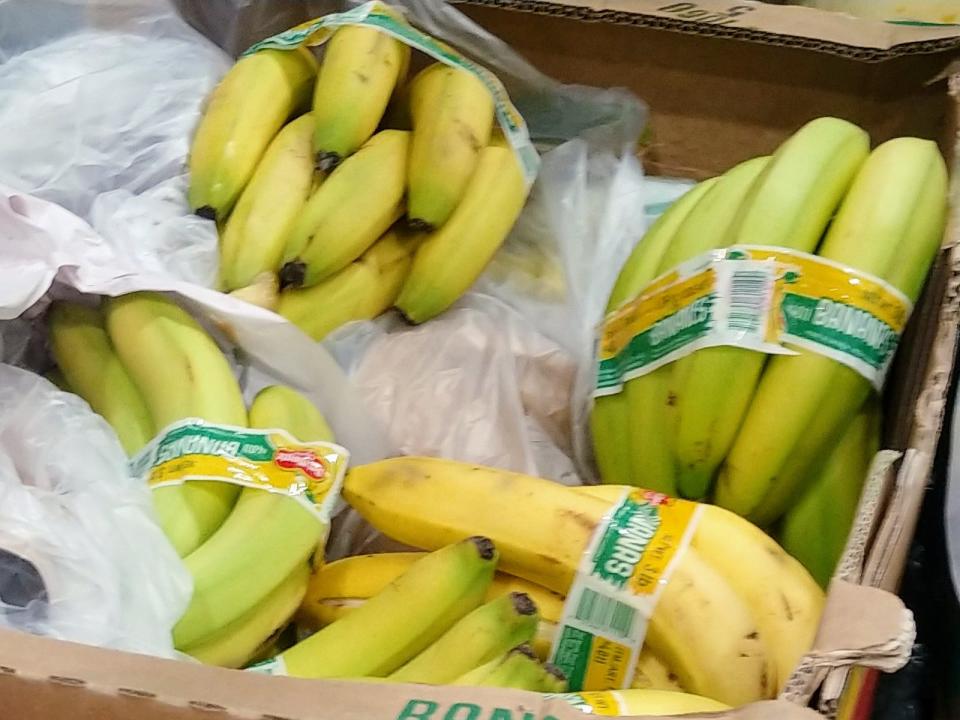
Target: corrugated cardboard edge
[785, 26]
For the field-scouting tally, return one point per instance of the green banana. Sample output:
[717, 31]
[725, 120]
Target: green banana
[402, 620]
[237, 643]
[815, 529]
[555, 681]
[361, 67]
[452, 116]
[265, 538]
[256, 231]
[363, 290]
[90, 368]
[609, 421]
[648, 397]
[356, 204]
[181, 373]
[245, 112]
[789, 206]
[890, 225]
[482, 635]
[450, 260]
[520, 669]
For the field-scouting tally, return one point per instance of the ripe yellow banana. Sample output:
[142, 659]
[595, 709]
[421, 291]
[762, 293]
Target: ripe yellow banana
[265, 539]
[701, 627]
[263, 292]
[363, 290]
[361, 66]
[609, 419]
[244, 113]
[452, 117]
[518, 668]
[789, 206]
[648, 397]
[452, 258]
[478, 637]
[181, 373]
[353, 207]
[890, 224]
[653, 703]
[237, 643]
[91, 369]
[256, 231]
[827, 508]
[785, 601]
[402, 620]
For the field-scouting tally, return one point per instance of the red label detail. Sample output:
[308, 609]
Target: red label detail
[306, 460]
[656, 498]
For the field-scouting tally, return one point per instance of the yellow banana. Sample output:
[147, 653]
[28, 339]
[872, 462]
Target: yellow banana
[361, 67]
[256, 231]
[263, 292]
[451, 259]
[90, 368]
[452, 117]
[403, 619]
[519, 668]
[181, 373]
[266, 537]
[353, 207]
[244, 113]
[653, 703]
[363, 290]
[700, 627]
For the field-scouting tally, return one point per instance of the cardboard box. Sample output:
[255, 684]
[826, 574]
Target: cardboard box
[724, 81]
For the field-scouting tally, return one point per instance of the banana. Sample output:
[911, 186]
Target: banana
[653, 703]
[785, 600]
[402, 620]
[555, 681]
[266, 537]
[701, 627]
[363, 290]
[648, 397]
[181, 373]
[452, 117]
[361, 67]
[653, 673]
[246, 110]
[90, 368]
[518, 669]
[609, 419]
[789, 206]
[237, 643]
[827, 508]
[480, 636]
[353, 207]
[890, 224]
[263, 292]
[449, 260]
[256, 231]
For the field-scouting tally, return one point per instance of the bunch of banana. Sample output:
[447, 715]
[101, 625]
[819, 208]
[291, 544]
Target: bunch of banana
[314, 203]
[732, 623]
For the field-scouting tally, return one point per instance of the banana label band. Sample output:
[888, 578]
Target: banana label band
[386, 19]
[270, 460]
[593, 702]
[765, 299]
[628, 560]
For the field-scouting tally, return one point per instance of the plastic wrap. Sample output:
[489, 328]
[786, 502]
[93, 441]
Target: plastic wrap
[81, 557]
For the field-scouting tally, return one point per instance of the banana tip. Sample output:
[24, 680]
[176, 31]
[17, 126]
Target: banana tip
[525, 649]
[207, 212]
[418, 225]
[328, 161]
[293, 274]
[523, 604]
[485, 547]
[555, 671]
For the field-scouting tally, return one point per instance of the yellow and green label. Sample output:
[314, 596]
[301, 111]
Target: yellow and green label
[627, 562]
[760, 298]
[386, 19]
[270, 460]
[592, 702]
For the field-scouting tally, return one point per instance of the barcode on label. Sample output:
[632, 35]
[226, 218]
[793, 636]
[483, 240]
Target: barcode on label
[605, 614]
[748, 292]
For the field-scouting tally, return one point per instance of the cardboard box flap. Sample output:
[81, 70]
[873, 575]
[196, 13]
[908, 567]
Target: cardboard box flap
[787, 26]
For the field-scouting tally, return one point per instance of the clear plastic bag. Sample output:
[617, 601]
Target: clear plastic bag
[81, 557]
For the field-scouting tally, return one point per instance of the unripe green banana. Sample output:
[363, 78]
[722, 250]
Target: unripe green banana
[520, 669]
[401, 621]
[181, 373]
[244, 113]
[452, 117]
[353, 207]
[256, 231]
[361, 67]
[789, 206]
[890, 225]
[90, 368]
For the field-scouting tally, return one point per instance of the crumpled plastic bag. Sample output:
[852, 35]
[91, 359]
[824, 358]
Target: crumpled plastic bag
[81, 556]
